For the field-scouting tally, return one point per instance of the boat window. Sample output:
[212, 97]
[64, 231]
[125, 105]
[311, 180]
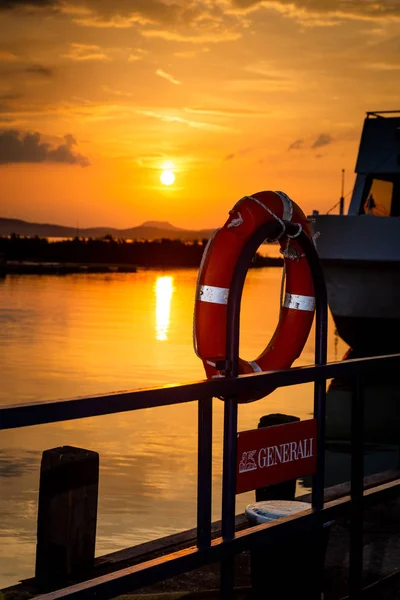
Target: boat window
[379, 200]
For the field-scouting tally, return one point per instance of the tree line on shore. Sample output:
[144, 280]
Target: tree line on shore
[108, 250]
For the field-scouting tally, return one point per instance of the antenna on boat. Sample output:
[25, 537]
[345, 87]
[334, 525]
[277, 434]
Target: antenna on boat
[341, 209]
[341, 201]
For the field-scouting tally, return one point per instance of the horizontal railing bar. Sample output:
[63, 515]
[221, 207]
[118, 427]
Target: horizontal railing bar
[140, 575]
[268, 534]
[53, 411]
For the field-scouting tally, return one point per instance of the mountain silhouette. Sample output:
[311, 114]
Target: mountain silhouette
[160, 225]
[150, 230]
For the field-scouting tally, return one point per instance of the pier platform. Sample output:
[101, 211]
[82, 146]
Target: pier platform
[381, 560]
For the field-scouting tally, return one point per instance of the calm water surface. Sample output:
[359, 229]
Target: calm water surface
[88, 334]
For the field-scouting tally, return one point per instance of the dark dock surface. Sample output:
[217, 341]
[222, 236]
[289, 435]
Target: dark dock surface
[381, 558]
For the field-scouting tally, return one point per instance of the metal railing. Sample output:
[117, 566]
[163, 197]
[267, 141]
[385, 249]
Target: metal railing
[378, 113]
[230, 388]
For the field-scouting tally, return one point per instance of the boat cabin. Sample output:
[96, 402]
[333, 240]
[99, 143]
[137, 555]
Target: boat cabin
[377, 187]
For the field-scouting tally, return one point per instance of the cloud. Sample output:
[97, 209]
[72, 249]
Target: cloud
[227, 112]
[187, 54]
[195, 38]
[118, 13]
[206, 20]
[134, 58]
[175, 119]
[25, 147]
[167, 76]
[262, 84]
[116, 21]
[113, 92]
[268, 71]
[10, 4]
[192, 21]
[324, 13]
[241, 152]
[190, 16]
[322, 140]
[7, 56]
[296, 145]
[82, 52]
[137, 54]
[10, 96]
[40, 70]
[382, 66]
[148, 160]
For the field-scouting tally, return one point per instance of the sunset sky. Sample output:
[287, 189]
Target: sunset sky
[239, 95]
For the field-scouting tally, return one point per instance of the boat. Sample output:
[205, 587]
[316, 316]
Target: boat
[360, 250]
[381, 419]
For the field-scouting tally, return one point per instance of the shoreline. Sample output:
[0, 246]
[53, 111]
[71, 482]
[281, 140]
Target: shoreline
[61, 268]
[70, 268]
[38, 256]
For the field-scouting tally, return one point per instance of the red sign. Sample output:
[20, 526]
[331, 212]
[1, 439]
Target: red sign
[274, 454]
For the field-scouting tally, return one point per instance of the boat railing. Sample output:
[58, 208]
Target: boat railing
[380, 114]
[230, 389]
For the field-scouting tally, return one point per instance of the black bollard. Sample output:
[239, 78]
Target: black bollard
[279, 491]
[67, 515]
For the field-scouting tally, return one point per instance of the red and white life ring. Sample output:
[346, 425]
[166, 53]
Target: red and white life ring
[215, 276]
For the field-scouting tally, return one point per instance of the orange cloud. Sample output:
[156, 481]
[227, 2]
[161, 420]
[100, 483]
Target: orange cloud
[194, 38]
[83, 52]
[117, 21]
[175, 119]
[167, 76]
[222, 112]
[322, 13]
[8, 56]
[137, 54]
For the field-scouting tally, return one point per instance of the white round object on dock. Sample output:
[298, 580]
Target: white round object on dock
[270, 510]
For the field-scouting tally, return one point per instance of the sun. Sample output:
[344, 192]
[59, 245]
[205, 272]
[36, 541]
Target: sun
[167, 177]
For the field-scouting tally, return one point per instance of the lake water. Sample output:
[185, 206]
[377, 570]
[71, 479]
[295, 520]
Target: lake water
[88, 334]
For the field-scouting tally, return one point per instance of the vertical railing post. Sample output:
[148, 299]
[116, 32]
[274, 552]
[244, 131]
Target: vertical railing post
[319, 414]
[321, 344]
[204, 473]
[267, 231]
[229, 493]
[229, 473]
[229, 468]
[356, 490]
[230, 422]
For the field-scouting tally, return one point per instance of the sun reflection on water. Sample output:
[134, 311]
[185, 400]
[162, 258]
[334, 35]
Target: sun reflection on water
[164, 289]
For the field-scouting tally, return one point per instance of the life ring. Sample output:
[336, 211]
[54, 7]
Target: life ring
[215, 276]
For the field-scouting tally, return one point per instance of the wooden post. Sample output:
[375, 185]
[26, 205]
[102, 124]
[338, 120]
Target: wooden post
[67, 515]
[280, 491]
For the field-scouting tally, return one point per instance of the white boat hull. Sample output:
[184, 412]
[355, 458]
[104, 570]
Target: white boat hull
[360, 256]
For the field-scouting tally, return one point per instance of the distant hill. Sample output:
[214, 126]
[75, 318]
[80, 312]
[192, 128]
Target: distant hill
[160, 225]
[150, 230]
